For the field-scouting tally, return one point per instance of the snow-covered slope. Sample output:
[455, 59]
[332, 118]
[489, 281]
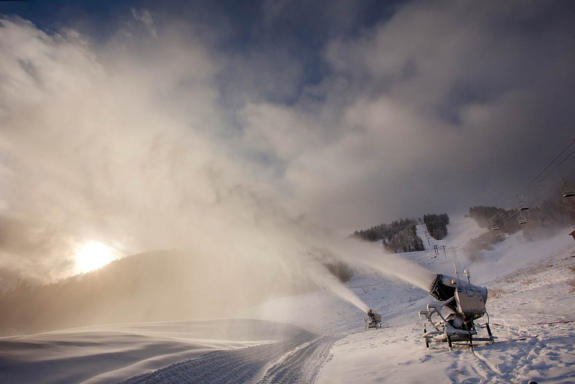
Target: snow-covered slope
[531, 306]
[114, 353]
[532, 310]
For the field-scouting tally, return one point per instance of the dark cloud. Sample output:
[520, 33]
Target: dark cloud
[444, 105]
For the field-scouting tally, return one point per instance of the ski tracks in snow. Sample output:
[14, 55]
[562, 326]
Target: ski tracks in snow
[301, 365]
[294, 361]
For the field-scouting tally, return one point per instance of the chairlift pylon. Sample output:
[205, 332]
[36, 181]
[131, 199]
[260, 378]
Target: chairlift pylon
[567, 190]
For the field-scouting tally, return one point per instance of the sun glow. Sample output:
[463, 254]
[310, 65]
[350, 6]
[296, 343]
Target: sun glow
[93, 255]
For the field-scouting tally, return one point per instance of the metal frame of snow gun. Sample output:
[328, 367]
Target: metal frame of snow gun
[465, 304]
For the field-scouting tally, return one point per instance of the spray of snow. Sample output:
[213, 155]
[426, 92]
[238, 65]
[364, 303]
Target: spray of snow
[144, 175]
[392, 265]
[371, 257]
[326, 280]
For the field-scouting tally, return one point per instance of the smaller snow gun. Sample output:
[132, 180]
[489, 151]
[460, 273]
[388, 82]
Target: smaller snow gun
[452, 317]
[373, 320]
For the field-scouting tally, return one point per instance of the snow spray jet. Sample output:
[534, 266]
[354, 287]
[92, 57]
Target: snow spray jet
[396, 266]
[323, 278]
[370, 257]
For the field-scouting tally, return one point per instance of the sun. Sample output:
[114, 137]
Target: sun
[93, 255]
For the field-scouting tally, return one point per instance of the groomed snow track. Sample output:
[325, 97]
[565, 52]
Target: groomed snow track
[294, 361]
[301, 365]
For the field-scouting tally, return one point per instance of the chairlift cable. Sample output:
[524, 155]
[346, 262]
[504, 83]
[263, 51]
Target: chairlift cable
[537, 179]
[557, 165]
[541, 176]
[551, 162]
[566, 158]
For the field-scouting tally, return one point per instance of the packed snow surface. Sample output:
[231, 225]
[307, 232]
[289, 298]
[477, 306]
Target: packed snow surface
[317, 337]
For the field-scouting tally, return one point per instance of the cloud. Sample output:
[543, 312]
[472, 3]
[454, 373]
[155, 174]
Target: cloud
[445, 105]
[174, 139]
[102, 147]
[126, 143]
[145, 18]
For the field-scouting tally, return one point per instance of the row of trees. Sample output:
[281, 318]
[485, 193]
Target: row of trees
[436, 225]
[493, 217]
[551, 213]
[384, 231]
[401, 235]
[540, 221]
[397, 236]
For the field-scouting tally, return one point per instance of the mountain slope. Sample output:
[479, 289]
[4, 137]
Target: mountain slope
[163, 285]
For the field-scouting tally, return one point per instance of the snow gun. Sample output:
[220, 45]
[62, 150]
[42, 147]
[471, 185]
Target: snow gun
[452, 317]
[373, 320]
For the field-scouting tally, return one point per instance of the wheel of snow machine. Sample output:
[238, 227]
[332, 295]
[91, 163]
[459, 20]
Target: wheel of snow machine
[426, 342]
[471, 342]
[449, 342]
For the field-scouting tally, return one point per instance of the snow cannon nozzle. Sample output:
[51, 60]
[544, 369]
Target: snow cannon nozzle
[372, 313]
[461, 296]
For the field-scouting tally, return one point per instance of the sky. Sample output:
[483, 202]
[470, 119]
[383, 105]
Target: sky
[140, 122]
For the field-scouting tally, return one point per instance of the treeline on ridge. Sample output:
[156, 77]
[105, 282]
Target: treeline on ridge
[401, 235]
[436, 225]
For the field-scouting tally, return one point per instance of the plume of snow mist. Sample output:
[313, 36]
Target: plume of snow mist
[323, 278]
[96, 146]
[100, 147]
[371, 257]
[396, 266]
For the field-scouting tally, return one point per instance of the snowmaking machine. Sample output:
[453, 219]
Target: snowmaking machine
[373, 320]
[453, 317]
